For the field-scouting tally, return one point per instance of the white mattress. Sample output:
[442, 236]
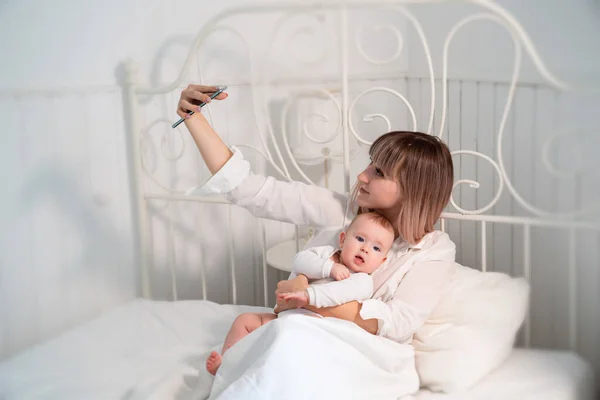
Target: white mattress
[157, 350]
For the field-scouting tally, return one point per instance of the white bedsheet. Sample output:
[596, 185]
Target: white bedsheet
[141, 350]
[157, 350]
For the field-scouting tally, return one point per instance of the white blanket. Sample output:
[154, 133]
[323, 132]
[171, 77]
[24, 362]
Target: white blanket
[302, 357]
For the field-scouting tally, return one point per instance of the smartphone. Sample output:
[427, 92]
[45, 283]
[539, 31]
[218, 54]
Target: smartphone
[220, 89]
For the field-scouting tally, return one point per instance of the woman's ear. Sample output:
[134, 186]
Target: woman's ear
[342, 239]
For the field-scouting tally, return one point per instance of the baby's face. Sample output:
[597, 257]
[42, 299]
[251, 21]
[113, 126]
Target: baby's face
[365, 245]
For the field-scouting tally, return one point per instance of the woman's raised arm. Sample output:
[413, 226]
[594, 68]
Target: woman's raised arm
[212, 148]
[264, 197]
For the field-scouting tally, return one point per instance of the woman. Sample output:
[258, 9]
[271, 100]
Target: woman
[409, 181]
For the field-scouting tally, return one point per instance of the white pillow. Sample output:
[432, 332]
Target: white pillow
[471, 330]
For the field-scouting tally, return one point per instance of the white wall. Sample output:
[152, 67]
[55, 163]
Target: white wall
[75, 43]
[65, 237]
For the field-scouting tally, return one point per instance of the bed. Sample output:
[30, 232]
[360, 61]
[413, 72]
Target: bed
[155, 349]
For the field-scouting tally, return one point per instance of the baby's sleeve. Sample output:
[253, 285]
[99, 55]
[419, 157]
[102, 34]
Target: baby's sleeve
[357, 287]
[314, 262]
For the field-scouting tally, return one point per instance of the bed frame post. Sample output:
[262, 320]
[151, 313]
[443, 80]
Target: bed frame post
[345, 93]
[137, 201]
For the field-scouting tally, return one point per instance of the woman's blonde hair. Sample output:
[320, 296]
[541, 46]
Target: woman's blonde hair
[422, 166]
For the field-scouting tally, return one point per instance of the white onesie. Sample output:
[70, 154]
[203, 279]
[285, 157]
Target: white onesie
[324, 291]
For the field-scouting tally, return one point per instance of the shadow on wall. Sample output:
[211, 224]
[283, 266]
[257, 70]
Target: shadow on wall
[102, 247]
[64, 259]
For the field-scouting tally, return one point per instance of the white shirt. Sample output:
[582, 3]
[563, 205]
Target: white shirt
[406, 287]
[324, 291]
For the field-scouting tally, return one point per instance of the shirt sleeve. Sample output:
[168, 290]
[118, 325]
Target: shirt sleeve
[413, 301]
[358, 287]
[265, 197]
[314, 262]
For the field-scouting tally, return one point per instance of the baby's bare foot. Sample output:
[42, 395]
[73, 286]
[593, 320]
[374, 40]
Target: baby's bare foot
[213, 362]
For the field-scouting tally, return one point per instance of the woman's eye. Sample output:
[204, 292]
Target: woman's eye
[360, 239]
[376, 248]
[378, 172]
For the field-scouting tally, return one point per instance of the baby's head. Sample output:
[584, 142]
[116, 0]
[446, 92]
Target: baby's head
[366, 242]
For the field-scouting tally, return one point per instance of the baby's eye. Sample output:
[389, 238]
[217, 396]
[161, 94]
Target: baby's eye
[360, 239]
[376, 248]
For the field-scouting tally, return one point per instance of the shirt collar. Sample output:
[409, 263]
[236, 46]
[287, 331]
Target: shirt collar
[403, 244]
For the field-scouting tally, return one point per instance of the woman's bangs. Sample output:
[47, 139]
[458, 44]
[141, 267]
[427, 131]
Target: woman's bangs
[386, 155]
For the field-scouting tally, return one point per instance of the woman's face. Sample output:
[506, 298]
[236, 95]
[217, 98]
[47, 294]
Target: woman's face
[377, 191]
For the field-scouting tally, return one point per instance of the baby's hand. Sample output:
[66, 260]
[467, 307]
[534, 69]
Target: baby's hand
[301, 297]
[339, 272]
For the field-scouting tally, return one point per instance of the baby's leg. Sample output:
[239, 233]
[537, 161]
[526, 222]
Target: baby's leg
[241, 327]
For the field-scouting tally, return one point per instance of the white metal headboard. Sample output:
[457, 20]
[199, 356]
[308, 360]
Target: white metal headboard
[276, 149]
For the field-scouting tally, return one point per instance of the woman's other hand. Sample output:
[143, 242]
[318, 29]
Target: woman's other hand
[299, 283]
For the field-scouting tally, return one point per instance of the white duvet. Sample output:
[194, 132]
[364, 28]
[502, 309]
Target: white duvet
[302, 357]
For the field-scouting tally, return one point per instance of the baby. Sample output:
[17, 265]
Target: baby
[336, 276]
[363, 248]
